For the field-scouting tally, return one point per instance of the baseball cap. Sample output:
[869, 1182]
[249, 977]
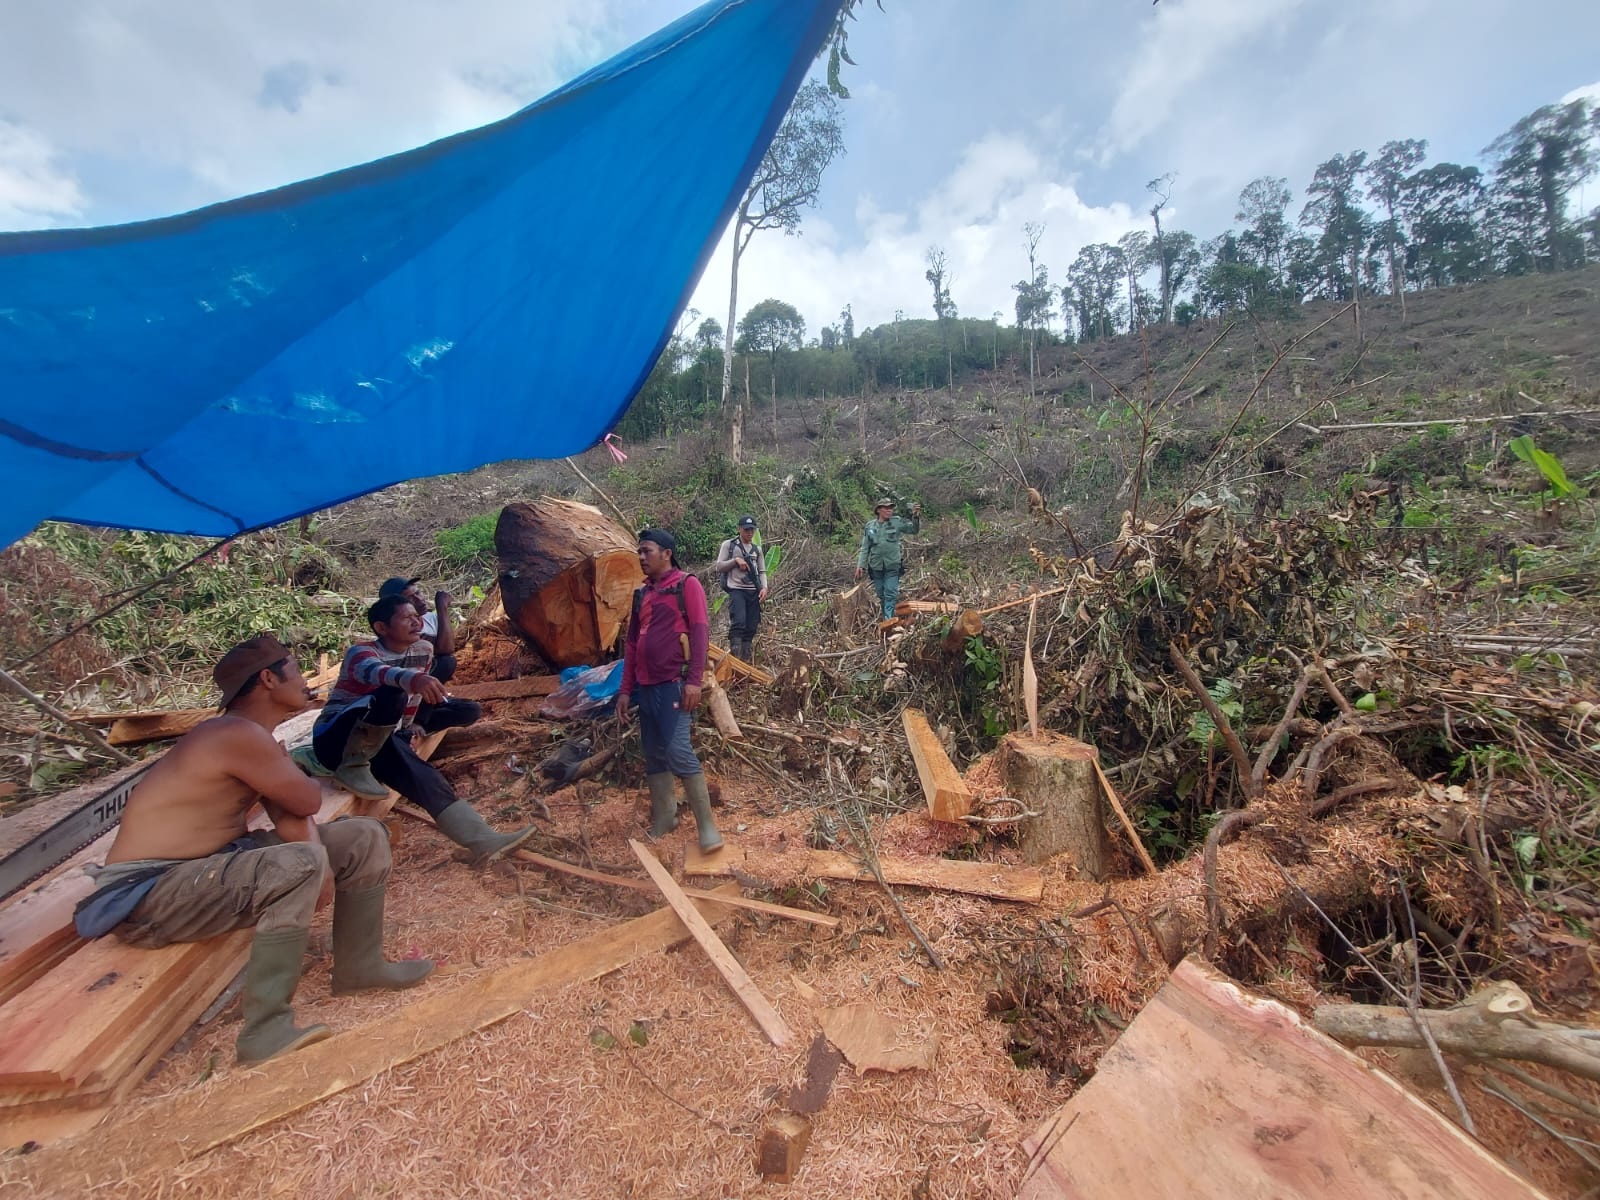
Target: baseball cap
[239, 665]
[747, 522]
[396, 585]
[660, 537]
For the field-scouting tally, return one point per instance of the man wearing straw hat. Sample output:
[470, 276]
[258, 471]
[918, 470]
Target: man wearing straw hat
[184, 868]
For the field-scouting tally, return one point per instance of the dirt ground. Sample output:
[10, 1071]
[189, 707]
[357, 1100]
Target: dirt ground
[561, 1100]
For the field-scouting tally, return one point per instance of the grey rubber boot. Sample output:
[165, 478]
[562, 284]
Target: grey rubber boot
[694, 787]
[358, 962]
[663, 804]
[464, 826]
[269, 982]
[355, 767]
[743, 650]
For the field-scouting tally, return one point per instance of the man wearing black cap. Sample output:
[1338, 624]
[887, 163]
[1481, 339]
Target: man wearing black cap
[184, 868]
[439, 632]
[361, 733]
[743, 568]
[663, 666]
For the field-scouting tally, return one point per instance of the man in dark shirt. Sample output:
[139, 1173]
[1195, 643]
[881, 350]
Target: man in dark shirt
[663, 667]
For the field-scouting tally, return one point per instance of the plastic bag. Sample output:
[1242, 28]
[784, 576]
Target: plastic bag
[584, 692]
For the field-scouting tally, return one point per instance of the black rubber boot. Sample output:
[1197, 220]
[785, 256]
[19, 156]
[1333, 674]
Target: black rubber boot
[355, 767]
[663, 804]
[694, 787]
[270, 979]
[358, 962]
[464, 826]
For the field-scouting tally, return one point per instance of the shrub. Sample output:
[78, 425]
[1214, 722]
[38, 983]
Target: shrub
[469, 542]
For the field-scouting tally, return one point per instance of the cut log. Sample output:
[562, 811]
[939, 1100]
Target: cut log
[1213, 1092]
[948, 796]
[567, 577]
[852, 608]
[1054, 776]
[964, 626]
[736, 977]
[908, 608]
[198, 1119]
[1479, 1028]
[716, 699]
[781, 1146]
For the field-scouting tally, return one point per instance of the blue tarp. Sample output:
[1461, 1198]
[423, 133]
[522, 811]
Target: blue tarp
[499, 294]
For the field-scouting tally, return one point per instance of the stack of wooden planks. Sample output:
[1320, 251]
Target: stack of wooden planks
[82, 1023]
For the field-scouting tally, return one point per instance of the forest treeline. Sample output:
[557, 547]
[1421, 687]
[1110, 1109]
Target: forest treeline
[1384, 223]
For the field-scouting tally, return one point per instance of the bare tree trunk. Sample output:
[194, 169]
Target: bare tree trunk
[733, 308]
[861, 416]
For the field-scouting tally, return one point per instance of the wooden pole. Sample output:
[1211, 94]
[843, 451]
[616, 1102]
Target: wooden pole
[727, 966]
[1122, 815]
[39, 702]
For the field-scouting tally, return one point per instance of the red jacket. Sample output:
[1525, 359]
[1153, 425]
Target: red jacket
[654, 650]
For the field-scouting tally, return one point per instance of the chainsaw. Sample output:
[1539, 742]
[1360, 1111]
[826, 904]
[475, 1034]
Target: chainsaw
[67, 836]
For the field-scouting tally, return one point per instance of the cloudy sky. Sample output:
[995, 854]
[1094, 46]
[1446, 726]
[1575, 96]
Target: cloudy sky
[968, 120]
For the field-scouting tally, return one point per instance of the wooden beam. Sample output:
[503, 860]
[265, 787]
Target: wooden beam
[1122, 815]
[994, 880]
[1262, 1106]
[139, 728]
[781, 1146]
[507, 689]
[720, 658]
[772, 1024]
[201, 1118]
[949, 798]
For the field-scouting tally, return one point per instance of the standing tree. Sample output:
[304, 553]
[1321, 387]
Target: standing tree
[787, 181]
[1034, 299]
[769, 327]
[1335, 209]
[1262, 207]
[847, 327]
[1387, 176]
[1136, 256]
[1095, 277]
[1538, 162]
[1443, 206]
[1161, 189]
[938, 274]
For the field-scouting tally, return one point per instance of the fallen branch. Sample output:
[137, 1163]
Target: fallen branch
[1333, 799]
[43, 705]
[1241, 764]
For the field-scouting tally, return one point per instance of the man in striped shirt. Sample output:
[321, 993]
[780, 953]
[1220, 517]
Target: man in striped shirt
[364, 732]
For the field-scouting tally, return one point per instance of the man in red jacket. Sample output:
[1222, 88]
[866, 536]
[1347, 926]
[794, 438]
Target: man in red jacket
[663, 666]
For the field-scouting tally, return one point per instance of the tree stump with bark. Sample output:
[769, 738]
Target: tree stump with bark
[567, 577]
[1053, 775]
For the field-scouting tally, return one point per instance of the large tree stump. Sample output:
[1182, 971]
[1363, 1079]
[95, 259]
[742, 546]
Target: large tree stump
[567, 577]
[1054, 776]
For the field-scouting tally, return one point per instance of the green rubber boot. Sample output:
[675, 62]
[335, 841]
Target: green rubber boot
[694, 787]
[269, 982]
[358, 961]
[355, 767]
[663, 804]
[465, 826]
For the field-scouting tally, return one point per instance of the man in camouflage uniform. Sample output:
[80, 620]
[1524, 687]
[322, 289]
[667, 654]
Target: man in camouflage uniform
[881, 556]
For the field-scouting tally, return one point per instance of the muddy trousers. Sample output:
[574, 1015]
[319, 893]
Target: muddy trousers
[273, 887]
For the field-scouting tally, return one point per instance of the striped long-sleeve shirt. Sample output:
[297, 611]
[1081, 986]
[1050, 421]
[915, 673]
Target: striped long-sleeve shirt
[368, 666]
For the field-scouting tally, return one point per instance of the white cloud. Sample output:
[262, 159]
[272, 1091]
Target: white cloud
[35, 188]
[1182, 42]
[241, 97]
[1589, 92]
[976, 213]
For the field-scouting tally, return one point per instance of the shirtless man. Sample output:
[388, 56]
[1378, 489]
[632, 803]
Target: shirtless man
[184, 868]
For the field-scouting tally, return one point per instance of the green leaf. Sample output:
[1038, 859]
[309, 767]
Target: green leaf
[638, 1034]
[1549, 466]
[601, 1039]
[1367, 702]
[774, 558]
[1527, 847]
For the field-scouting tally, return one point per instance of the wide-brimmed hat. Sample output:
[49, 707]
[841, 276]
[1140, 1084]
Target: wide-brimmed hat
[239, 666]
[883, 502]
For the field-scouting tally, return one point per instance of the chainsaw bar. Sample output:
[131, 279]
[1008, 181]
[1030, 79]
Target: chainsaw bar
[66, 837]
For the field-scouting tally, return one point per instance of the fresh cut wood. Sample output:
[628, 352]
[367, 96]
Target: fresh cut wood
[1214, 1092]
[736, 977]
[1054, 776]
[214, 1114]
[948, 796]
[994, 880]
